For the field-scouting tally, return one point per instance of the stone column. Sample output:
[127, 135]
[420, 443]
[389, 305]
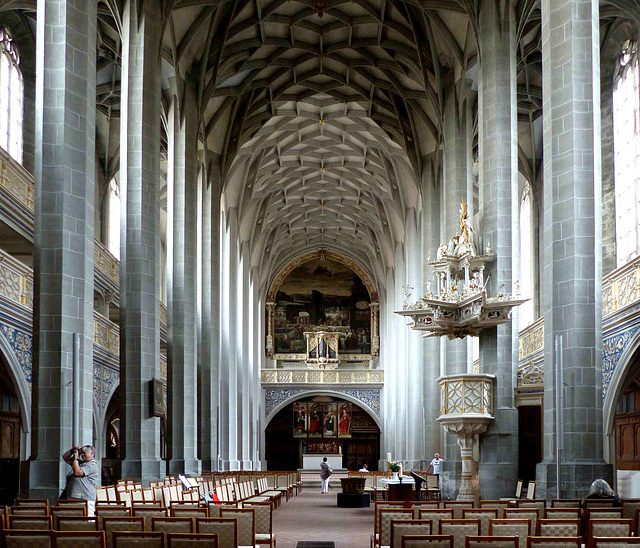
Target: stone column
[63, 238]
[140, 242]
[572, 240]
[498, 150]
[245, 359]
[229, 409]
[181, 246]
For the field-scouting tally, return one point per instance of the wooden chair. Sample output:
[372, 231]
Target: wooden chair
[147, 513]
[401, 527]
[427, 541]
[121, 523]
[77, 523]
[56, 511]
[540, 504]
[20, 538]
[491, 542]
[554, 542]
[189, 512]
[386, 515]
[418, 505]
[29, 510]
[192, 540]
[519, 485]
[458, 506]
[523, 513]
[246, 518]
[41, 523]
[264, 522]
[565, 503]
[435, 516]
[500, 505]
[379, 505]
[460, 529]
[629, 508]
[112, 511]
[172, 525]
[510, 527]
[562, 513]
[74, 539]
[608, 527]
[482, 514]
[614, 542]
[31, 502]
[558, 528]
[225, 528]
[531, 490]
[433, 489]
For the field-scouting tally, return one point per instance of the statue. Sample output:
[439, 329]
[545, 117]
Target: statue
[465, 240]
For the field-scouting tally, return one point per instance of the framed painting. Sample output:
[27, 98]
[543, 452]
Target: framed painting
[344, 419]
[330, 422]
[300, 420]
[315, 420]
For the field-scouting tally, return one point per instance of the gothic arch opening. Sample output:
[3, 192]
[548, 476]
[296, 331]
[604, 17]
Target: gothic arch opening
[355, 434]
[10, 433]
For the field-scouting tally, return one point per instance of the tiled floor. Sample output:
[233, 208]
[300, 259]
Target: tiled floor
[312, 516]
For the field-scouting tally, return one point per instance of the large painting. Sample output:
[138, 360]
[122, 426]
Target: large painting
[322, 295]
[300, 420]
[344, 420]
[330, 424]
[315, 420]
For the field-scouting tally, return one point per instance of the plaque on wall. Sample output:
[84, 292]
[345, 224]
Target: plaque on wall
[315, 420]
[300, 420]
[344, 419]
[330, 420]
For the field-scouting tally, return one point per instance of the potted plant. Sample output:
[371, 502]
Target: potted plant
[394, 466]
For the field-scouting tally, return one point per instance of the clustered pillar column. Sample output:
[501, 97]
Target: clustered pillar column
[140, 242]
[572, 242]
[181, 246]
[63, 250]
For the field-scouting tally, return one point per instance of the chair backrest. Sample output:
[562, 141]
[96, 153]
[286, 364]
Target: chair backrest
[519, 489]
[554, 542]
[27, 539]
[67, 511]
[432, 481]
[435, 516]
[225, 528]
[215, 509]
[77, 523]
[388, 514]
[500, 505]
[74, 539]
[558, 527]
[189, 511]
[483, 514]
[31, 502]
[523, 513]
[608, 527]
[112, 511]
[172, 525]
[29, 511]
[418, 505]
[511, 527]
[400, 527]
[192, 540]
[531, 490]
[458, 506]
[246, 524]
[264, 517]
[540, 504]
[491, 542]
[562, 513]
[427, 541]
[602, 513]
[148, 513]
[42, 523]
[565, 503]
[629, 507]
[614, 542]
[460, 529]
[121, 523]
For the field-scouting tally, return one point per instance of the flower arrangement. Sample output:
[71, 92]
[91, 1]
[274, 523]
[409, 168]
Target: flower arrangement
[394, 466]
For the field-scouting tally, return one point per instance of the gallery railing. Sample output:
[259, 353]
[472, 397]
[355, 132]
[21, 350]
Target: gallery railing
[621, 287]
[322, 376]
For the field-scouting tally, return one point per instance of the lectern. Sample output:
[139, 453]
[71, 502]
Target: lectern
[401, 490]
[419, 481]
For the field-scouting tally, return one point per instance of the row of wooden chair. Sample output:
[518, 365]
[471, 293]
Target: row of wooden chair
[448, 541]
[96, 539]
[395, 523]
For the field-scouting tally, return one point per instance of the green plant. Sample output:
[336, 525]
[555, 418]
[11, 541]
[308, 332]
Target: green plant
[394, 466]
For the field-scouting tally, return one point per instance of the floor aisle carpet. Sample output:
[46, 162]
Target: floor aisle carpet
[312, 516]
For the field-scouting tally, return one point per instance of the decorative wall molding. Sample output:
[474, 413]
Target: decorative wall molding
[322, 376]
[273, 397]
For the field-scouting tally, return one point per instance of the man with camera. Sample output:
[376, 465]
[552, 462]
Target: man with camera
[84, 475]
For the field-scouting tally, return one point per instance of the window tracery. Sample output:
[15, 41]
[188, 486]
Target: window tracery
[11, 96]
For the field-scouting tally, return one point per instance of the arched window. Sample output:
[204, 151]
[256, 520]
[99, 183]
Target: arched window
[526, 259]
[114, 219]
[626, 145]
[11, 94]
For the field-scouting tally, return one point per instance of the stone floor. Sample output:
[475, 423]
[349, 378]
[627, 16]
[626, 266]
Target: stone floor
[312, 516]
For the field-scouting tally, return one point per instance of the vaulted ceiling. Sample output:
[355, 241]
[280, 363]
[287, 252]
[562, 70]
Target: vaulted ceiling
[325, 115]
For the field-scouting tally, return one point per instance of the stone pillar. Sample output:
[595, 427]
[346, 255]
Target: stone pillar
[182, 202]
[498, 469]
[229, 408]
[572, 253]
[63, 239]
[140, 242]
[245, 359]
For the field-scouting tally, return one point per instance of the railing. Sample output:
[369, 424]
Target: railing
[106, 263]
[531, 339]
[106, 334]
[16, 280]
[621, 287]
[16, 181]
[322, 376]
[466, 394]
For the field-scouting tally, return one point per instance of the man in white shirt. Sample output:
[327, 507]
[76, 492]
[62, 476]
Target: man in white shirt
[435, 463]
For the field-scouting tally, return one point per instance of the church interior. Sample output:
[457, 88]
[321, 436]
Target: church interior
[241, 235]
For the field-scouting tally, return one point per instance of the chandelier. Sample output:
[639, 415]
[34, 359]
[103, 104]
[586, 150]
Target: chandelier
[460, 306]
